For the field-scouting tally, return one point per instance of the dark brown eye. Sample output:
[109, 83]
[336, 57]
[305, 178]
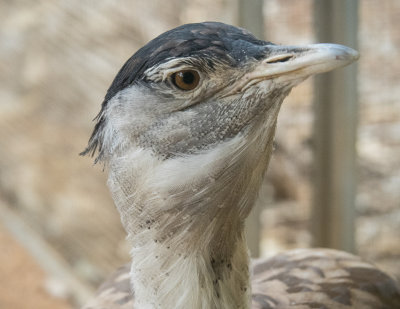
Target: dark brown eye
[186, 79]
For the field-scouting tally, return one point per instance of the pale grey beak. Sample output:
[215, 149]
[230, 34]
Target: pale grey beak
[297, 62]
[306, 60]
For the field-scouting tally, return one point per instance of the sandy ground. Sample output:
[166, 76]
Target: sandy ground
[22, 281]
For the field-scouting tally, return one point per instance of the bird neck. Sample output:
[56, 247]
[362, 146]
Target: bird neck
[164, 275]
[188, 250]
[185, 219]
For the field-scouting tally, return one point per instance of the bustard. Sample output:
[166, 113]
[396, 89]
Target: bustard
[186, 131]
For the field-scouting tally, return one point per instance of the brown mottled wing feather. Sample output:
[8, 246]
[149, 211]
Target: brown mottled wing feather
[321, 278]
[298, 279]
[114, 293]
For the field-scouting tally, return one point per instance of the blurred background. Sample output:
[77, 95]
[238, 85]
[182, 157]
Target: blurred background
[60, 234]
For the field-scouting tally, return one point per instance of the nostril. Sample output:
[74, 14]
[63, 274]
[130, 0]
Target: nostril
[280, 58]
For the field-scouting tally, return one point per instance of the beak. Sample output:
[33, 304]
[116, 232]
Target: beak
[285, 63]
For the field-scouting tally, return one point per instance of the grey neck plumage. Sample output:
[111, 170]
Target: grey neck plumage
[184, 217]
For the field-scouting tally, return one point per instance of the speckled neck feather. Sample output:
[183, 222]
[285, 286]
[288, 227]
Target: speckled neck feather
[184, 217]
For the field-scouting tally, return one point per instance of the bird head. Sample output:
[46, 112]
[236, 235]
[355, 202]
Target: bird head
[187, 126]
[186, 129]
[199, 85]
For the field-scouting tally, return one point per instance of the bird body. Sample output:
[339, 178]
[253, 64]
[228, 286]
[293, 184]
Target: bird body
[296, 279]
[186, 131]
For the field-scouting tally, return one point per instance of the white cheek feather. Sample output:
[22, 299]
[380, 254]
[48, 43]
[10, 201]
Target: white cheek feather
[121, 113]
[139, 176]
[186, 171]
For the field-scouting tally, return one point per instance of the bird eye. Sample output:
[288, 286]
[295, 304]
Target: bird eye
[186, 79]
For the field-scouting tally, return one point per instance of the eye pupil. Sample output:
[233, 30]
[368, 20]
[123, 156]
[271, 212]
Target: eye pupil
[186, 79]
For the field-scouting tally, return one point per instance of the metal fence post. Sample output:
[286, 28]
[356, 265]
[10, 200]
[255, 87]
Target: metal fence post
[250, 16]
[335, 131]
